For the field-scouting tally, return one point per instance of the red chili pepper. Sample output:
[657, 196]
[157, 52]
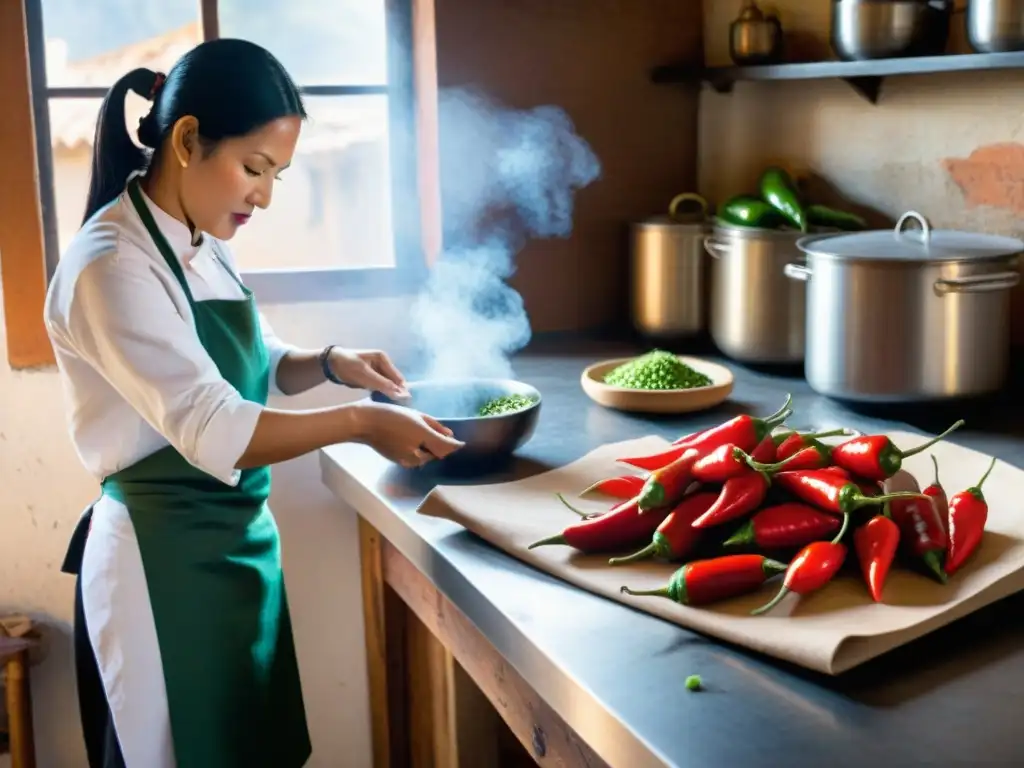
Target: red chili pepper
[968, 515]
[831, 491]
[739, 496]
[937, 494]
[744, 431]
[703, 582]
[874, 457]
[867, 487]
[765, 451]
[812, 568]
[676, 537]
[876, 543]
[784, 525]
[689, 437]
[621, 487]
[615, 530]
[921, 532]
[718, 466]
[795, 441]
[814, 456]
[666, 486]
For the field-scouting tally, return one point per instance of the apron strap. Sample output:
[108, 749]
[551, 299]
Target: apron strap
[135, 193]
[219, 256]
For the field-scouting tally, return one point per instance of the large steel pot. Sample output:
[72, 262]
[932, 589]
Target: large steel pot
[882, 29]
[907, 315]
[757, 315]
[668, 276]
[995, 26]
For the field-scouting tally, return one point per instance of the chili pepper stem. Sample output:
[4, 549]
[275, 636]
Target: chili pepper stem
[934, 564]
[757, 466]
[663, 592]
[649, 551]
[976, 490]
[925, 446]
[783, 591]
[842, 529]
[557, 539]
[865, 501]
[782, 414]
[581, 513]
[935, 463]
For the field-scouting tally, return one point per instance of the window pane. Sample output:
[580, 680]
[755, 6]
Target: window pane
[341, 42]
[72, 124]
[332, 208]
[94, 42]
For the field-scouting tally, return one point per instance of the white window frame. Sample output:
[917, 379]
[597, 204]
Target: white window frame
[291, 285]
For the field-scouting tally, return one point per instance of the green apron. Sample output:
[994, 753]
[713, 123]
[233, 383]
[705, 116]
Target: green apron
[212, 558]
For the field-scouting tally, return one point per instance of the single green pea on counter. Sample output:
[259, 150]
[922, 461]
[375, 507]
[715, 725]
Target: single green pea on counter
[656, 370]
[505, 404]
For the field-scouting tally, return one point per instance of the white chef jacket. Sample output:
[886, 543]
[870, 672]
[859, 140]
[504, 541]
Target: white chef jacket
[136, 376]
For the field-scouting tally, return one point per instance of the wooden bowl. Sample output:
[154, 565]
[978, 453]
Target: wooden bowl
[658, 400]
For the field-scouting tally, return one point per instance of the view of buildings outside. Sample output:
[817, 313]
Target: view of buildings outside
[332, 208]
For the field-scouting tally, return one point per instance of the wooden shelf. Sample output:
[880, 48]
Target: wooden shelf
[865, 77]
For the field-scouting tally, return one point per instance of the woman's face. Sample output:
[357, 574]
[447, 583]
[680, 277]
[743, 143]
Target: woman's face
[222, 185]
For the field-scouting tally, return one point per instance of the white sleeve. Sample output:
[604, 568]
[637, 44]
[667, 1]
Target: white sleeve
[276, 349]
[123, 322]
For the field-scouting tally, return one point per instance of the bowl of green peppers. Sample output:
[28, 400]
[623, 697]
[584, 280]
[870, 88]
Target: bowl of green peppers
[493, 417]
[657, 382]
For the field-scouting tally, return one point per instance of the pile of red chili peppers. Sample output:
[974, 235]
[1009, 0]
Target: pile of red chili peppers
[749, 499]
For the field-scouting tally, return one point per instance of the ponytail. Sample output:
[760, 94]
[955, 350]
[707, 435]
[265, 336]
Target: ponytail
[114, 155]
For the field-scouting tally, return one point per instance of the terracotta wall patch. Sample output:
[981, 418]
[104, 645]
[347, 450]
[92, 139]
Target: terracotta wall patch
[991, 175]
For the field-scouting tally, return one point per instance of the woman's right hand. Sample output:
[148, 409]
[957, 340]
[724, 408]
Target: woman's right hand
[405, 436]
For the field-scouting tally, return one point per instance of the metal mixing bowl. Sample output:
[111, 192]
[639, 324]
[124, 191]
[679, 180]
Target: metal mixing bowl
[455, 403]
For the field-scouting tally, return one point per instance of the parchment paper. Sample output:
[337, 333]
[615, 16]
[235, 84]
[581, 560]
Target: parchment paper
[830, 631]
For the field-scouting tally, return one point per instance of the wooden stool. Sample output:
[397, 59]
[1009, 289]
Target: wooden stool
[14, 657]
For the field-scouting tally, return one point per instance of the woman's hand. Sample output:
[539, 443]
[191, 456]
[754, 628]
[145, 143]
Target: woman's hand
[404, 436]
[368, 369]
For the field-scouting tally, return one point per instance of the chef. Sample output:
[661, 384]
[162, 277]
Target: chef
[183, 643]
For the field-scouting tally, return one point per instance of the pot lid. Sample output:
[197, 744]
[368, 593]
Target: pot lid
[903, 244]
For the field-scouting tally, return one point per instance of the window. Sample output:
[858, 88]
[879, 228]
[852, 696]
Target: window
[345, 216]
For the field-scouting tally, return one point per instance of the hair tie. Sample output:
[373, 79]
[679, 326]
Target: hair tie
[158, 82]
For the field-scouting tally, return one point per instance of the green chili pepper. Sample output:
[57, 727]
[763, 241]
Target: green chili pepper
[750, 211]
[823, 216]
[779, 189]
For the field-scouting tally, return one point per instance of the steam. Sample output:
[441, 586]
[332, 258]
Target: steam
[506, 175]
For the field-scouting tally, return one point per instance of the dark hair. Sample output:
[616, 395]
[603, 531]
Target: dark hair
[231, 87]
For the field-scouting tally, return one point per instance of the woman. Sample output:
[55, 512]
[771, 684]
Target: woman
[183, 642]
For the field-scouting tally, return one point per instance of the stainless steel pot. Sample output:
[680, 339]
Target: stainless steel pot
[668, 274]
[896, 315]
[995, 26]
[757, 315]
[881, 29]
[755, 37]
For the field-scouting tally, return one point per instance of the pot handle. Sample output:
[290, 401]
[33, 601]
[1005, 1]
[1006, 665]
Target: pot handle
[799, 272]
[926, 228]
[713, 247]
[1000, 281]
[687, 197]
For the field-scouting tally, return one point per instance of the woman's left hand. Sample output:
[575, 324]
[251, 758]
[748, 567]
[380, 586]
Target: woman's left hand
[368, 369]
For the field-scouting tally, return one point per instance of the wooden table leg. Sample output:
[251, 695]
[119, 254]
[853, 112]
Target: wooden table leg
[19, 711]
[384, 617]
